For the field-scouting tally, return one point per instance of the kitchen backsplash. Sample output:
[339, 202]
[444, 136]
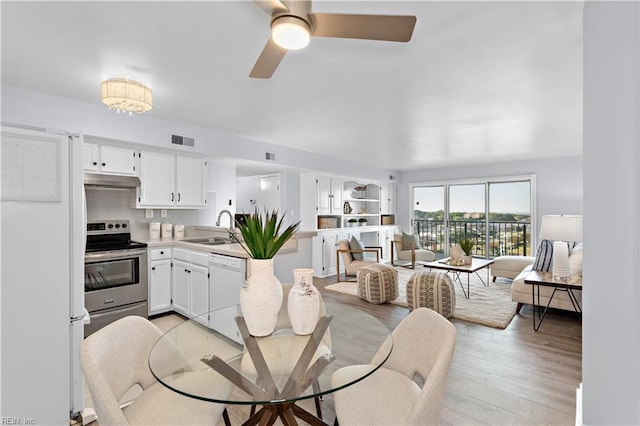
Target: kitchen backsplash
[114, 203]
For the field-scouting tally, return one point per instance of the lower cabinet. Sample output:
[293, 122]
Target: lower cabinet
[194, 283]
[324, 248]
[159, 280]
[180, 286]
[190, 283]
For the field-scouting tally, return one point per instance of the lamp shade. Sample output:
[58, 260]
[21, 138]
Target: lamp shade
[561, 228]
[120, 94]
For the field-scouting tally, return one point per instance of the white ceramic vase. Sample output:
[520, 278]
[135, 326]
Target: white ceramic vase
[303, 304]
[467, 259]
[261, 298]
[456, 252]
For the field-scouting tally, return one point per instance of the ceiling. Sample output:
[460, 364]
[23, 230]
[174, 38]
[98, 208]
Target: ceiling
[478, 82]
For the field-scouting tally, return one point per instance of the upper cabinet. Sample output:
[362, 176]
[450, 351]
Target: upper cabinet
[328, 195]
[388, 199]
[109, 159]
[169, 180]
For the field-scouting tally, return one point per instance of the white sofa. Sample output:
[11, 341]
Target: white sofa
[521, 293]
[508, 267]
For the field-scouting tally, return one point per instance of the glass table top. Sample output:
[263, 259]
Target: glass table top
[198, 361]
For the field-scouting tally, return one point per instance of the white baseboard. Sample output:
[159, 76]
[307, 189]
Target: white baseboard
[579, 405]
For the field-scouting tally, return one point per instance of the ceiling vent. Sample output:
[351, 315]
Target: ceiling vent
[270, 156]
[182, 140]
[392, 177]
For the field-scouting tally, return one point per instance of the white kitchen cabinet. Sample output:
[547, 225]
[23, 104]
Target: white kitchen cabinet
[180, 286]
[328, 195]
[157, 179]
[171, 181]
[388, 198]
[324, 249]
[108, 159]
[159, 280]
[191, 283]
[191, 181]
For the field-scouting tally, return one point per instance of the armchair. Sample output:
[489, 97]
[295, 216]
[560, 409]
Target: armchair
[351, 264]
[406, 250]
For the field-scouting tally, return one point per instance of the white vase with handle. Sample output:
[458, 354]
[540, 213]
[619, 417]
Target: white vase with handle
[261, 298]
[303, 303]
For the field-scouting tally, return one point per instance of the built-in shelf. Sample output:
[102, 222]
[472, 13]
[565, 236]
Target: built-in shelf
[339, 199]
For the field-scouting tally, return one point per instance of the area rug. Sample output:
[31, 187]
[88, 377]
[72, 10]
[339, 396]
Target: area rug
[488, 305]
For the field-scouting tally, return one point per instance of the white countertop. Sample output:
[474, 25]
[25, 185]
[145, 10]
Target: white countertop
[233, 250]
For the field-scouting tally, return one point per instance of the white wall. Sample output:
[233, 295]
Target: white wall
[247, 193]
[37, 109]
[558, 183]
[611, 299]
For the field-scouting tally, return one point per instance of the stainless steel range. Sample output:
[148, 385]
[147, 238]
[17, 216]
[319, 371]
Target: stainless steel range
[115, 274]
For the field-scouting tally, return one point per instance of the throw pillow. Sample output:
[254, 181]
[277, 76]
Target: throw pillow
[409, 241]
[575, 260]
[544, 257]
[356, 244]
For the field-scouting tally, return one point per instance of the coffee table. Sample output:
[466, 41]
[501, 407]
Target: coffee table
[476, 265]
[545, 279]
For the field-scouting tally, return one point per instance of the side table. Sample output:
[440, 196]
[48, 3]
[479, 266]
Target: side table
[545, 279]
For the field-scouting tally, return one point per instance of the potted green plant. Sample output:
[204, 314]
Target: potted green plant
[263, 235]
[467, 244]
[362, 221]
[353, 222]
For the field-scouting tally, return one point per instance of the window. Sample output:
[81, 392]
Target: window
[495, 212]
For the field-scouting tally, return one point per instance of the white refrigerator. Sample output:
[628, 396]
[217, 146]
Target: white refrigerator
[42, 269]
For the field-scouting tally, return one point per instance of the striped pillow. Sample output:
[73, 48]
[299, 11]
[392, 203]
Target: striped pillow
[544, 256]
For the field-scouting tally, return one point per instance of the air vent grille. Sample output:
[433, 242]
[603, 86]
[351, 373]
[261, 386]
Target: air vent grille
[270, 156]
[182, 140]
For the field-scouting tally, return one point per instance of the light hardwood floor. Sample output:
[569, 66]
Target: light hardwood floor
[513, 376]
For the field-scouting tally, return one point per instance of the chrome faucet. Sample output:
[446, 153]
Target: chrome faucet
[231, 218]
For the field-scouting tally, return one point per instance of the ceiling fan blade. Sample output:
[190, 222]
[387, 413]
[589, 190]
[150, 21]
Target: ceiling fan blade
[270, 6]
[268, 60]
[368, 27]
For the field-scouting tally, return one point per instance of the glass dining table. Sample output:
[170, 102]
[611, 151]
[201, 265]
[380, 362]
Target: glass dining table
[274, 372]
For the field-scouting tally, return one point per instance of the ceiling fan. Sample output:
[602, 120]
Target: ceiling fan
[292, 24]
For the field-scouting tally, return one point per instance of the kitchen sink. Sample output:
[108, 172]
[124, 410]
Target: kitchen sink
[209, 241]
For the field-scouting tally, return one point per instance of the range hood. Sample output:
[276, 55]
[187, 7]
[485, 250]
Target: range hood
[111, 181]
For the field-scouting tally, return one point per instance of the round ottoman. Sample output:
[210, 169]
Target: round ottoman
[377, 283]
[433, 290]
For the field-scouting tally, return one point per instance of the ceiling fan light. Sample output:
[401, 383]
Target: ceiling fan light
[290, 32]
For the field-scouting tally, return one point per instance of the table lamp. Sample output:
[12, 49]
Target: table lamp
[561, 229]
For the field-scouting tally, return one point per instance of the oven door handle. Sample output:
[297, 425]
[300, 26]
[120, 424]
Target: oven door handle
[114, 255]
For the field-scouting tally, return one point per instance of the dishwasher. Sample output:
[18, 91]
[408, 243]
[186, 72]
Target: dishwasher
[227, 275]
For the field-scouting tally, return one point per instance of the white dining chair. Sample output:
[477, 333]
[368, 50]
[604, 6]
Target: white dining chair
[408, 389]
[115, 361]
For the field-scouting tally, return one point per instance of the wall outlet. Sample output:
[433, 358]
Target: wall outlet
[163, 213]
[148, 213]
